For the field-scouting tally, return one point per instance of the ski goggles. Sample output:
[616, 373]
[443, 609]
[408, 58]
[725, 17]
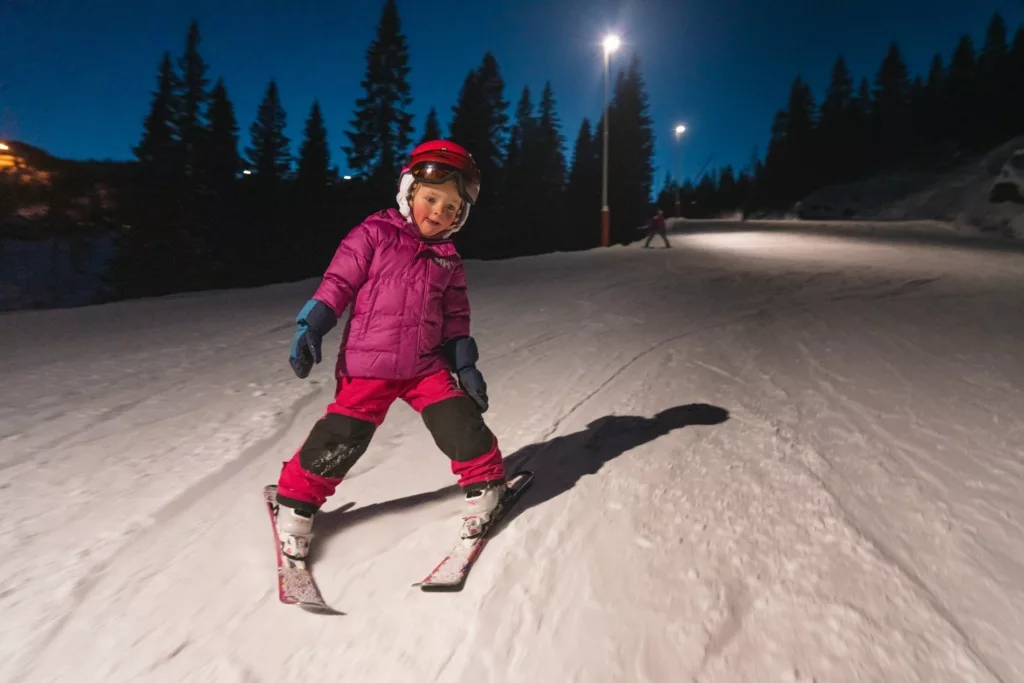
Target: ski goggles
[436, 173]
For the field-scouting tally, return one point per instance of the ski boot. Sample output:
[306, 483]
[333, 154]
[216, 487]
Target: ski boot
[481, 502]
[294, 531]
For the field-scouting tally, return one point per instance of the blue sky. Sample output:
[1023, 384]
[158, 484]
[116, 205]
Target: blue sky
[77, 76]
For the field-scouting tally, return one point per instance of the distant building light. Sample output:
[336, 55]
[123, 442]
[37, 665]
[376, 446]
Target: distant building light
[246, 172]
[347, 177]
[4, 147]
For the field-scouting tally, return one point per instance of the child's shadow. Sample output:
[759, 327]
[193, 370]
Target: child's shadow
[557, 464]
[561, 462]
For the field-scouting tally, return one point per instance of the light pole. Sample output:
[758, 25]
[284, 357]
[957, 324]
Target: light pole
[611, 44]
[680, 129]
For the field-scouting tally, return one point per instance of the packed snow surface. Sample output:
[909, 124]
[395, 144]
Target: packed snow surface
[775, 452]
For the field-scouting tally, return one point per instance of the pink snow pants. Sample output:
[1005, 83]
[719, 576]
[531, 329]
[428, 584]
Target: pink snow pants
[369, 400]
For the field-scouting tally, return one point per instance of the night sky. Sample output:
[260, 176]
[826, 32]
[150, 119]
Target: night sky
[76, 77]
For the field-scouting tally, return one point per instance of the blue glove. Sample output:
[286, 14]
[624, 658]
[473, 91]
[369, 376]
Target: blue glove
[462, 355]
[315, 320]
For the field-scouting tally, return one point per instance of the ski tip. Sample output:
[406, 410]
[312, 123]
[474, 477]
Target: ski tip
[319, 608]
[442, 587]
[313, 607]
[520, 479]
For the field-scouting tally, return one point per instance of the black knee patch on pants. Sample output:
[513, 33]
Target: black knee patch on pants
[458, 428]
[334, 444]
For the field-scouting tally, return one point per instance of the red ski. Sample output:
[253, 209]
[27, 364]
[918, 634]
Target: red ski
[295, 583]
[451, 574]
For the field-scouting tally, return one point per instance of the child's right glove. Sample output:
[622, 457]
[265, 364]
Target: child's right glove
[462, 355]
[315, 320]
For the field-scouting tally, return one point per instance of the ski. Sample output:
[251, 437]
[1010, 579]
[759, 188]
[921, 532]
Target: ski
[295, 582]
[450, 574]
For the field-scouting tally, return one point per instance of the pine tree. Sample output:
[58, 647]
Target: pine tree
[995, 100]
[1015, 78]
[521, 131]
[891, 112]
[550, 145]
[891, 108]
[995, 49]
[314, 168]
[431, 129]
[727, 196]
[382, 129]
[314, 179]
[479, 121]
[775, 181]
[666, 197]
[583, 191]
[221, 164]
[751, 183]
[520, 154]
[631, 154]
[932, 126]
[222, 159]
[269, 154]
[861, 135]
[746, 188]
[834, 124]
[192, 100]
[268, 254]
[157, 151]
[918, 117]
[800, 133]
[480, 117]
[963, 93]
[704, 196]
[535, 175]
[154, 256]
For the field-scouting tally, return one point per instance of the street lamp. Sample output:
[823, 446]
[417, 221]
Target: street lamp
[611, 44]
[680, 129]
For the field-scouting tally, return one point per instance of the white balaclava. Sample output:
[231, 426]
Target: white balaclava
[405, 187]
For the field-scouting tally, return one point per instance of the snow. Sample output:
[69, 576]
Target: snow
[959, 195]
[776, 452]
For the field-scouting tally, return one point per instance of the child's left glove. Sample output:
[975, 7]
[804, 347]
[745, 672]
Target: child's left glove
[315, 320]
[462, 355]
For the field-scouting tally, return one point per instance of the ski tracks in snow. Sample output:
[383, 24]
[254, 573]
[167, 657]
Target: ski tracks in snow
[801, 539]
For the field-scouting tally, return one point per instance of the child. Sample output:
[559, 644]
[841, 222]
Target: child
[407, 333]
[657, 228]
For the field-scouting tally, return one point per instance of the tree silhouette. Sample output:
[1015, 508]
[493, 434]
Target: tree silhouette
[381, 131]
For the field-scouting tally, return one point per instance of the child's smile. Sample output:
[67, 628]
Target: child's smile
[435, 208]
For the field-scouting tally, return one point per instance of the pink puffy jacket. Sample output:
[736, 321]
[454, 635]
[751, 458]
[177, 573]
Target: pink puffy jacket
[409, 297]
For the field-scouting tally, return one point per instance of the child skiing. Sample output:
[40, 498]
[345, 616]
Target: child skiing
[657, 227]
[407, 333]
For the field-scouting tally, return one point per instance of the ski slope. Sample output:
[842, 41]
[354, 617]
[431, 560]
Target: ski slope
[776, 452]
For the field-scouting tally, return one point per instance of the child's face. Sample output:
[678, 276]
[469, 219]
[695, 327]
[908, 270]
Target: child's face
[436, 207]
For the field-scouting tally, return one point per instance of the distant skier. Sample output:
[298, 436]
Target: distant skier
[407, 333]
[657, 227]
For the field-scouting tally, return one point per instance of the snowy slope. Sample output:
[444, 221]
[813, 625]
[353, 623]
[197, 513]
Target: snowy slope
[960, 196]
[777, 452]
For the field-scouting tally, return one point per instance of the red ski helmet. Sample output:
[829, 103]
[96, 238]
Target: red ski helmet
[438, 161]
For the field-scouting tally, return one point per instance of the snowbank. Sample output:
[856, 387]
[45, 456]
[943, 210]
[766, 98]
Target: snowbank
[53, 273]
[960, 197]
